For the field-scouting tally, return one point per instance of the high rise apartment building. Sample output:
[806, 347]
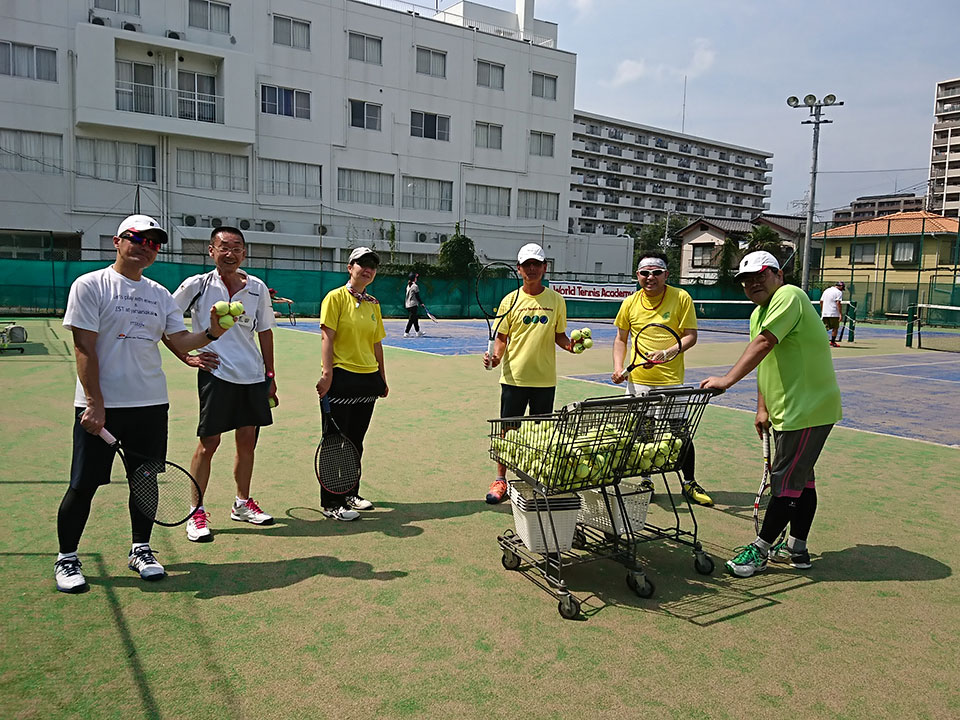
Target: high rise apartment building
[944, 190]
[626, 173]
[872, 206]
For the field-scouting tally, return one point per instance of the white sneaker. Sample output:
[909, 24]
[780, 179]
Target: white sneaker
[197, 529]
[341, 513]
[406, 334]
[142, 561]
[250, 512]
[355, 502]
[421, 334]
[68, 575]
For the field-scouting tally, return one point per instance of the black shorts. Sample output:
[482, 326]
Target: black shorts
[832, 323]
[227, 406]
[795, 454]
[141, 430]
[514, 400]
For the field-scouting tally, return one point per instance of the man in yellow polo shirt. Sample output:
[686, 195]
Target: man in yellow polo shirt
[657, 302]
[524, 347]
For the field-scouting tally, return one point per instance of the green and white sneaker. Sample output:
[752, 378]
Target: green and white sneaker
[780, 553]
[749, 560]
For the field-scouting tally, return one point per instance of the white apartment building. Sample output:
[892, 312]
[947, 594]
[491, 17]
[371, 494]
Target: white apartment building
[626, 173]
[313, 125]
[944, 187]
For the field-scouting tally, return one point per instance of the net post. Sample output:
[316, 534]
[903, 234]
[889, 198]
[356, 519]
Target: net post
[852, 315]
[911, 315]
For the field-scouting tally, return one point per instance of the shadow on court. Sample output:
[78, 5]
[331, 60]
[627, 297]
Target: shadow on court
[212, 580]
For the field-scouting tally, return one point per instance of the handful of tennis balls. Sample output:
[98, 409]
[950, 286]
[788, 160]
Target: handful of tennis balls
[228, 312]
[581, 340]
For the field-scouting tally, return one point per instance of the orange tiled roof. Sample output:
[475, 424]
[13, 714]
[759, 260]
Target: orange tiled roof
[901, 223]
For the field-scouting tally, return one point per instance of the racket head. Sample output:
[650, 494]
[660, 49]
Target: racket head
[432, 317]
[654, 344]
[336, 461]
[164, 492]
[486, 277]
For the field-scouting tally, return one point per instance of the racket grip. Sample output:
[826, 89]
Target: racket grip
[490, 354]
[766, 445]
[325, 404]
[107, 437]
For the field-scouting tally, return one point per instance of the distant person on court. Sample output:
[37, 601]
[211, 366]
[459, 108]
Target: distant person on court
[353, 372]
[117, 318]
[412, 303]
[831, 309]
[235, 378]
[524, 347]
[657, 302]
[797, 396]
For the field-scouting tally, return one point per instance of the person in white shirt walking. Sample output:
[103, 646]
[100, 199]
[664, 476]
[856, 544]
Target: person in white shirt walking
[831, 310]
[236, 380]
[117, 318]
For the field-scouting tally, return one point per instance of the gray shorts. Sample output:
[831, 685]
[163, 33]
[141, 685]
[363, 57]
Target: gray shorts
[795, 454]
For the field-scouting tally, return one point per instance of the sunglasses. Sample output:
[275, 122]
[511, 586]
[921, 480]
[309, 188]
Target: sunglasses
[368, 263]
[648, 273]
[141, 240]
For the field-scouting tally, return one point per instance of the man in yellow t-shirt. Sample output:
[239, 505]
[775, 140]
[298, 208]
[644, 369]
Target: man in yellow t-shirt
[657, 302]
[524, 348]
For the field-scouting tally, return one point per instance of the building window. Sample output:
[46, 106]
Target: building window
[703, 256]
[904, 252]
[290, 32]
[135, 87]
[838, 253]
[28, 61]
[538, 205]
[431, 62]
[26, 151]
[365, 115]
[127, 7]
[489, 136]
[900, 300]
[544, 86]
[112, 160]
[197, 97]
[429, 125]
[292, 179]
[284, 101]
[864, 253]
[208, 15]
[213, 171]
[427, 194]
[366, 48]
[360, 186]
[541, 143]
[490, 75]
[487, 200]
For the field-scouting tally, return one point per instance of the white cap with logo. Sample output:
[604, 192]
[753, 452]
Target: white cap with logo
[530, 251]
[362, 252]
[756, 262]
[141, 223]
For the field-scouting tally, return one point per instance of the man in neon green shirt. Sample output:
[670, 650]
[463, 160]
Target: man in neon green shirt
[797, 395]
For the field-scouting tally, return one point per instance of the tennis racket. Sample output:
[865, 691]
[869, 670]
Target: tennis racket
[762, 500]
[487, 275]
[336, 461]
[161, 490]
[430, 314]
[654, 344]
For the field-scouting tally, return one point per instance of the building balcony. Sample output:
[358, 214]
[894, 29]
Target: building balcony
[946, 124]
[169, 102]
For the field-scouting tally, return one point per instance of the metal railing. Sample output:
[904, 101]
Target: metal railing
[169, 102]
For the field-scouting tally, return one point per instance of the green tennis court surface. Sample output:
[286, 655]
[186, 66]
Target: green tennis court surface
[409, 613]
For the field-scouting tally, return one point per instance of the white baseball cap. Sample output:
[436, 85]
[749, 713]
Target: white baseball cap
[530, 251]
[362, 252]
[141, 223]
[756, 262]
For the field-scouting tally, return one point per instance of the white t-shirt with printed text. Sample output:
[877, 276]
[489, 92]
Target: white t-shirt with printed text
[129, 317]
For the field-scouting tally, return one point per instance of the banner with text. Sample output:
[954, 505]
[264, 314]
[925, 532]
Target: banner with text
[593, 291]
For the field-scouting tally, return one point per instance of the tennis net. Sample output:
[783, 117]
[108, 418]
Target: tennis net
[937, 327]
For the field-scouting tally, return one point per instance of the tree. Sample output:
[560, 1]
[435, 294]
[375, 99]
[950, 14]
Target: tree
[650, 237]
[763, 237]
[457, 255]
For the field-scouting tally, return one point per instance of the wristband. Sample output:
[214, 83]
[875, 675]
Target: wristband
[271, 374]
[210, 336]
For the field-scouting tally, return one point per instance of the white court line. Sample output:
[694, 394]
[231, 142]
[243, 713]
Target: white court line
[903, 365]
[911, 377]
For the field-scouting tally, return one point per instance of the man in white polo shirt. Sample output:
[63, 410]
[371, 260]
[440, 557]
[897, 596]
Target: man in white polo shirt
[117, 317]
[235, 379]
[831, 310]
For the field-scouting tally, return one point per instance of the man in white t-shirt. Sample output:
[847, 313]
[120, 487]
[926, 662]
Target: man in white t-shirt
[117, 318]
[831, 309]
[235, 379]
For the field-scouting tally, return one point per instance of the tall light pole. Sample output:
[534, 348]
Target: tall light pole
[816, 106]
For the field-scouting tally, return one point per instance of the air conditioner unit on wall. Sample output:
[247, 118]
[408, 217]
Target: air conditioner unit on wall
[216, 222]
[421, 237]
[271, 225]
[442, 238]
[132, 27]
[98, 20]
[244, 223]
[320, 229]
[176, 35]
[190, 220]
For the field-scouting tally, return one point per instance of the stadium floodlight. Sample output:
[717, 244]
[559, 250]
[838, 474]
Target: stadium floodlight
[815, 106]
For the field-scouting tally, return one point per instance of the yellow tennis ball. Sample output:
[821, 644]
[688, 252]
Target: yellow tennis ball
[587, 343]
[222, 307]
[578, 348]
[576, 335]
[272, 402]
[236, 308]
[585, 332]
[227, 321]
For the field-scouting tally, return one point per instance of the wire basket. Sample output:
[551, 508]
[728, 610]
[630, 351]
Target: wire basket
[594, 513]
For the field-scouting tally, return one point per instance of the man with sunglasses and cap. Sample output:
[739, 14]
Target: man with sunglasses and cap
[657, 302]
[831, 310]
[117, 318]
[797, 396]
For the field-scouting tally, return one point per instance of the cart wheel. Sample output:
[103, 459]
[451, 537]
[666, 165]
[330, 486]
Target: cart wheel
[646, 590]
[569, 608]
[511, 561]
[703, 563]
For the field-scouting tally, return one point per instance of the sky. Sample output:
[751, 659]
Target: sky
[743, 58]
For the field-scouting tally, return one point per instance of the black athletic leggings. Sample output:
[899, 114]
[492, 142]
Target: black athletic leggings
[413, 319]
[74, 511]
[796, 512]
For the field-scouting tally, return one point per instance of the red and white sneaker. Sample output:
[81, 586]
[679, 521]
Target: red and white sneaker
[498, 488]
[197, 528]
[249, 511]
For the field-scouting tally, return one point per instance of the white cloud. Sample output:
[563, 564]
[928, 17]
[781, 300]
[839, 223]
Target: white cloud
[629, 71]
